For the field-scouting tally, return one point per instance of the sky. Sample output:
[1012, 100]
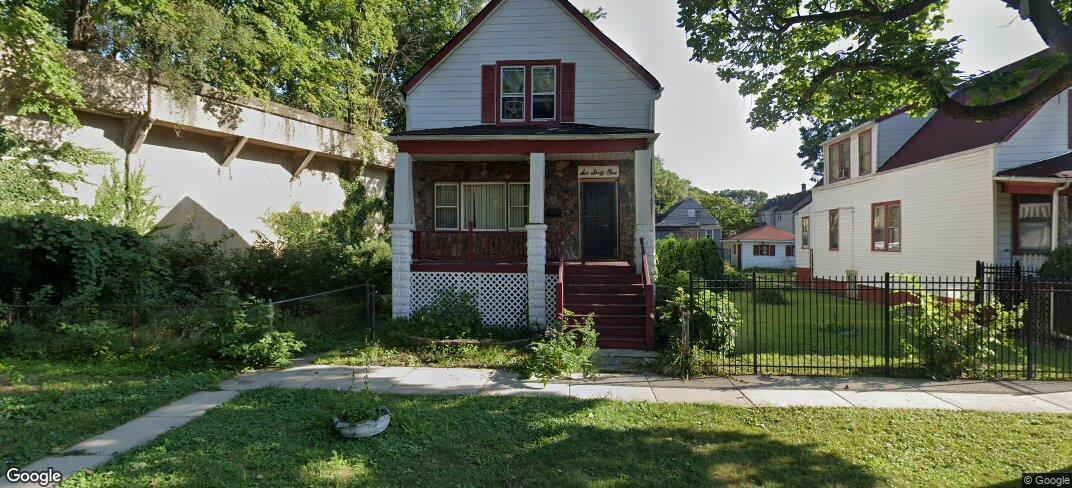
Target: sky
[705, 136]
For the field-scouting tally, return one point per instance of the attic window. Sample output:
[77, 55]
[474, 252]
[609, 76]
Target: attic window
[512, 90]
[692, 212]
[544, 92]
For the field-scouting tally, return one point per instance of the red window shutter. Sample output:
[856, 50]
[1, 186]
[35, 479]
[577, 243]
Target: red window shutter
[487, 94]
[569, 92]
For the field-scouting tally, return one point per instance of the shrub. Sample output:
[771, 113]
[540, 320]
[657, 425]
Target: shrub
[950, 341]
[451, 315]
[770, 296]
[700, 257]
[193, 268]
[715, 319]
[1059, 263]
[567, 348]
[249, 340]
[99, 339]
[680, 359]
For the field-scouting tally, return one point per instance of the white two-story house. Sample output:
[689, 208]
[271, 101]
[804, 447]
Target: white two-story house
[932, 196]
[525, 174]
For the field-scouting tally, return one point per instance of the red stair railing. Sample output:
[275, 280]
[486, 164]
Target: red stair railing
[649, 299]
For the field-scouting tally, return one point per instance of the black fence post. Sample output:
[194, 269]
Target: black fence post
[755, 328]
[686, 333]
[371, 306]
[980, 278]
[1034, 302]
[887, 324]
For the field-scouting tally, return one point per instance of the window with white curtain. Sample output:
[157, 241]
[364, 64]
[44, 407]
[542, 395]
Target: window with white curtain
[446, 206]
[1034, 219]
[484, 206]
[519, 205]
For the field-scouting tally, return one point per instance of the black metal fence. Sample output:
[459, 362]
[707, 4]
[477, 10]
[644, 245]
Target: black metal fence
[996, 325]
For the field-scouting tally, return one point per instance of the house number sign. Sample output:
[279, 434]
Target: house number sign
[584, 172]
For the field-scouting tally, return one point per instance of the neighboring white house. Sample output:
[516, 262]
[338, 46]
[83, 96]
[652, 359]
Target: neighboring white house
[688, 220]
[763, 247]
[217, 161]
[529, 143]
[932, 196]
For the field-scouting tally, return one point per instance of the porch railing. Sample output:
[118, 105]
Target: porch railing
[470, 245]
[649, 299]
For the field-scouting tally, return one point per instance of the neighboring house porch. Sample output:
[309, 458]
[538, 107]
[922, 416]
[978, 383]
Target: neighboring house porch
[501, 210]
[1032, 211]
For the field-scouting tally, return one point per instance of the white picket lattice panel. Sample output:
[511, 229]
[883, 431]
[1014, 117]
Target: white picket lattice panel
[552, 298]
[501, 297]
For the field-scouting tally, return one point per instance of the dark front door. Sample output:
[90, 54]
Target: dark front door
[599, 221]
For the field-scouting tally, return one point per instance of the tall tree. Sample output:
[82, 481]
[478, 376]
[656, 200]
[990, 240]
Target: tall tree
[732, 216]
[670, 188]
[836, 61]
[749, 199]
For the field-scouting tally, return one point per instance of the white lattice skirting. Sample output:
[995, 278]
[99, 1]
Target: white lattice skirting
[501, 297]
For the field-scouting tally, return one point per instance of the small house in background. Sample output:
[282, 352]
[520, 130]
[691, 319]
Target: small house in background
[688, 220]
[779, 210]
[762, 247]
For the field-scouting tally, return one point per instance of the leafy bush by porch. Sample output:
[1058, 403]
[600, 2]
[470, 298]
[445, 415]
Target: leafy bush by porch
[567, 348]
[1059, 264]
[700, 257]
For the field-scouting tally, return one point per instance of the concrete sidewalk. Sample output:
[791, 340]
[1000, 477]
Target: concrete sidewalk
[740, 391]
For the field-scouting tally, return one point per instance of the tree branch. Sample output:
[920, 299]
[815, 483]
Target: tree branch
[1048, 22]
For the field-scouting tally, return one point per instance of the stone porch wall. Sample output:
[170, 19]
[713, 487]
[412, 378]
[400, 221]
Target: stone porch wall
[562, 197]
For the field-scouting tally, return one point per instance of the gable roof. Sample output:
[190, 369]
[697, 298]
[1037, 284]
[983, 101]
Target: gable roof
[678, 216]
[762, 233]
[790, 201]
[943, 135]
[486, 12]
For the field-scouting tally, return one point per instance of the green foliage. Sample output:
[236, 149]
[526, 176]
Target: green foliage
[697, 256]
[714, 319]
[80, 261]
[670, 188]
[98, 339]
[732, 216]
[751, 200]
[451, 315]
[680, 360]
[38, 176]
[193, 268]
[1059, 263]
[725, 206]
[769, 295]
[125, 201]
[33, 69]
[246, 337]
[567, 348]
[952, 338]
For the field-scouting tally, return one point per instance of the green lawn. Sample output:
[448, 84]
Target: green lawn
[819, 333]
[277, 437]
[47, 406]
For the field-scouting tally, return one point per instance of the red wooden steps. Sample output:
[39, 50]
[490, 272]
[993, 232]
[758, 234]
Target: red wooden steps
[614, 294]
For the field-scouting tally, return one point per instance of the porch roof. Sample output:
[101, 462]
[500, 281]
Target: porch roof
[1055, 167]
[528, 131]
[510, 142]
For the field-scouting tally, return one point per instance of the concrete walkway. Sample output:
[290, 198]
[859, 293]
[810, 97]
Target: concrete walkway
[741, 391]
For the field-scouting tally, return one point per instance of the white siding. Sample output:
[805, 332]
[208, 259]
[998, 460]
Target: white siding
[608, 92]
[894, 132]
[1002, 227]
[779, 260]
[1043, 136]
[947, 211]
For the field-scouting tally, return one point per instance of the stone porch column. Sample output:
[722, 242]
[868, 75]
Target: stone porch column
[402, 238]
[645, 206]
[537, 241]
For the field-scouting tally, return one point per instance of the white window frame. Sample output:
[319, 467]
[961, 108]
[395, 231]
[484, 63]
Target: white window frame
[461, 205]
[511, 207]
[457, 207]
[553, 93]
[709, 233]
[503, 95]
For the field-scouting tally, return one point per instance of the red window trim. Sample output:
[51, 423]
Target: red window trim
[805, 243]
[528, 64]
[846, 164]
[790, 250]
[829, 228]
[860, 155]
[886, 226]
[1016, 250]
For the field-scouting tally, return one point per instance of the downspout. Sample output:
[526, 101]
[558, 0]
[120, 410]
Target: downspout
[1055, 211]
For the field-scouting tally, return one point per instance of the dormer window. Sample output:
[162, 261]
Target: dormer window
[512, 93]
[839, 157]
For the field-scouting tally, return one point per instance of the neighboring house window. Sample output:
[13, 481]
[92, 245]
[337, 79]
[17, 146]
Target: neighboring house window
[834, 244]
[865, 152]
[484, 205]
[805, 231]
[519, 205]
[544, 89]
[886, 227]
[790, 250]
[1034, 214]
[709, 233]
[763, 250]
[839, 156]
[446, 206]
[512, 93]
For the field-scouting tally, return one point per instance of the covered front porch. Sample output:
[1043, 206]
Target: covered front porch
[1032, 211]
[499, 214]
